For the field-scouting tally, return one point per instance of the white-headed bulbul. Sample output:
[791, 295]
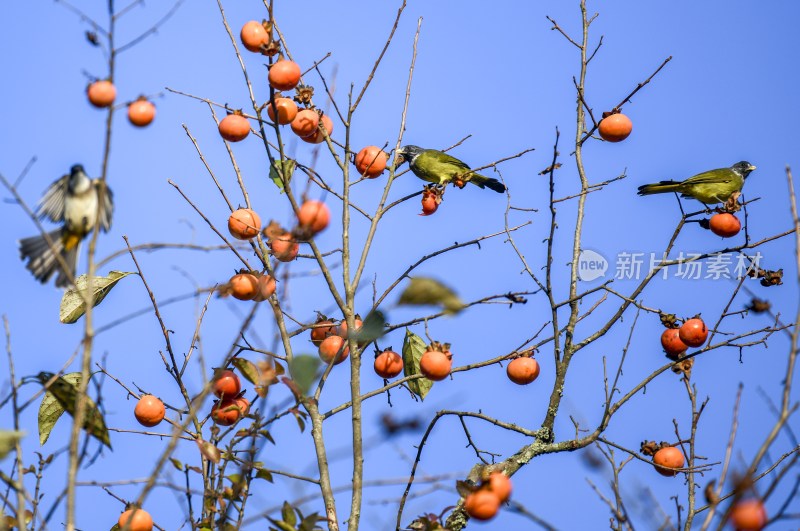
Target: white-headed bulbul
[74, 200]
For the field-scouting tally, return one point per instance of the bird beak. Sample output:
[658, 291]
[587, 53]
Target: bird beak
[751, 168]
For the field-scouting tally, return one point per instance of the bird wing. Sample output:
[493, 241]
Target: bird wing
[51, 205]
[722, 175]
[107, 207]
[444, 158]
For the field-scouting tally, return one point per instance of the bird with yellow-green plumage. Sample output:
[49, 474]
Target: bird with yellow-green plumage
[710, 187]
[438, 167]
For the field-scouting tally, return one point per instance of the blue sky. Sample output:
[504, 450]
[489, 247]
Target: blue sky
[497, 73]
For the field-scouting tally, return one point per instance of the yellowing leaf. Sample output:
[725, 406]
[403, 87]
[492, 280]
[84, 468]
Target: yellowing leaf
[264, 474]
[248, 369]
[73, 305]
[413, 349]
[50, 410]
[8, 439]
[208, 450]
[287, 514]
[63, 393]
[427, 291]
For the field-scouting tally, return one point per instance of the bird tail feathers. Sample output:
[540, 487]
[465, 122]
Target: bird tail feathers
[487, 182]
[660, 188]
[43, 260]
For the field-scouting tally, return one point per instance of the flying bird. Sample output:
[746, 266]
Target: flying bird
[79, 203]
[710, 187]
[440, 168]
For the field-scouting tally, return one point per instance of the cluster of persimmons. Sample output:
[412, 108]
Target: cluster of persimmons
[102, 93]
[747, 514]
[482, 501]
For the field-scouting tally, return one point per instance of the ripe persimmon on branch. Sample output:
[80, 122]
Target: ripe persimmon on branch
[324, 252]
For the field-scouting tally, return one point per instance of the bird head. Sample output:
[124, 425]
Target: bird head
[407, 154]
[44, 377]
[744, 168]
[79, 182]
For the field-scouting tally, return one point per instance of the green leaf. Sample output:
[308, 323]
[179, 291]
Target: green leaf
[281, 167]
[64, 392]
[303, 370]
[266, 435]
[72, 304]
[427, 291]
[177, 464]
[248, 369]
[8, 440]
[282, 526]
[373, 327]
[287, 514]
[309, 523]
[413, 349]
[264, 474]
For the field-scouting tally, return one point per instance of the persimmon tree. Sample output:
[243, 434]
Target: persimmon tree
[323, 338]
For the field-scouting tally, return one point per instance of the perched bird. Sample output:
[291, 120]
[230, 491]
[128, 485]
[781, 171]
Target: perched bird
[74, 201]
[440, 168]
[710, 187]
